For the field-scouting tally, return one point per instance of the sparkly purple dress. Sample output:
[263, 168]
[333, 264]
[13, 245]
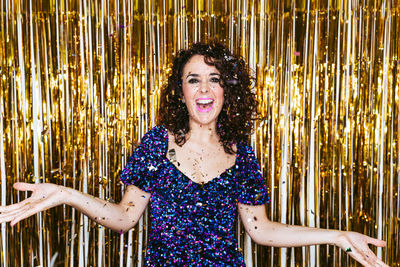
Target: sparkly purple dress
[192, 224]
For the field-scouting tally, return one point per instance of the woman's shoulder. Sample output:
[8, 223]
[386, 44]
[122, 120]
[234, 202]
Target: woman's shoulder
[243, 148]
[155, 140]
[247, 156]
[157, 133]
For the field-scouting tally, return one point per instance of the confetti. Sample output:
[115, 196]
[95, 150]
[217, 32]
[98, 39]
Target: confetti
[192, 221]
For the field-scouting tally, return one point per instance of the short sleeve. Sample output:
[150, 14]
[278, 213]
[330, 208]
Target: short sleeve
[142, 165]
[252, 188]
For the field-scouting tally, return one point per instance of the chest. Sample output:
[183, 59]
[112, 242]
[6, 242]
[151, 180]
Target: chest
[200, 163]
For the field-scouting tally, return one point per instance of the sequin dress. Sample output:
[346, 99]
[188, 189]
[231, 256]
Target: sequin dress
[192, 224]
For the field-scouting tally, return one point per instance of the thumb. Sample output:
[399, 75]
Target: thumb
[24, 186]
[377, 242]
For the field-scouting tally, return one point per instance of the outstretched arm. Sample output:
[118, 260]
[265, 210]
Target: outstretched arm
[268, 233]
[119, 217]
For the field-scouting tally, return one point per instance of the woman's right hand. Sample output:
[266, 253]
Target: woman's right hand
[119, 217]
[44, 196]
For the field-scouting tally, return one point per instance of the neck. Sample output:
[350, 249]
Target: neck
[202, 132]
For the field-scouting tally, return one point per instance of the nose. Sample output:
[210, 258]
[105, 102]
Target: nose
[204, 87]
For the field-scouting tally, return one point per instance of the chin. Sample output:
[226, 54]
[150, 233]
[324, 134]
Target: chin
[205, 118]
[204, 122]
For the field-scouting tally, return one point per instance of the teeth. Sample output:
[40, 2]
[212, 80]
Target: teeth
[204, 102]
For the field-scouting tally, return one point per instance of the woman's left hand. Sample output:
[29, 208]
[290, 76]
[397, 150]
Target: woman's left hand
[356, 245]
[268, 233]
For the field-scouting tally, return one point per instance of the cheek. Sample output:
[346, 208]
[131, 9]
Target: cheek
[219, 92]
[221, 95]
[187, 92]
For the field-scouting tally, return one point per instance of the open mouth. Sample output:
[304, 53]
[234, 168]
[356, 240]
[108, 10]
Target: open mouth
[204, 104]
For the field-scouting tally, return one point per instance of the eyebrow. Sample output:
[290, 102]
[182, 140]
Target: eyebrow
[197, 75]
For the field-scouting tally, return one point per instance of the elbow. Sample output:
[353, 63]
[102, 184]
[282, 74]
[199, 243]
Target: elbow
[122, 225]
[122, 229]
[260, 232]
[256, 239]
[258, 242]
[262, 240]
[128, 224]
[255, 236]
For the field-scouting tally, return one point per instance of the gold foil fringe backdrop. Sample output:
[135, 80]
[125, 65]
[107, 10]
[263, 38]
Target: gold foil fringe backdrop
[79, 86]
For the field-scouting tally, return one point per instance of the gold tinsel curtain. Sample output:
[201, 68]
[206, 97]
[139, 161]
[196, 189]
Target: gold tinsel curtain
[79, 86]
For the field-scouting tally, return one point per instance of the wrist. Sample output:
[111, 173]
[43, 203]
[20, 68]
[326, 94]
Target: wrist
[340, 237]
[65, 195]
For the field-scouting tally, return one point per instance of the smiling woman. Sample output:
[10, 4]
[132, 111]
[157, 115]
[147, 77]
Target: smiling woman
[202, 91]
[200, 171]
[196, 171]
[220, 69]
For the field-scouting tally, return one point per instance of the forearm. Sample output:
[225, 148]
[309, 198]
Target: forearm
[118, 217]
[269, 233]
[275, 234]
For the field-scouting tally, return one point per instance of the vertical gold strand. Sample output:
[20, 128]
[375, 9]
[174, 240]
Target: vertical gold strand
[383, 130]
[4, 230]
[35, 120]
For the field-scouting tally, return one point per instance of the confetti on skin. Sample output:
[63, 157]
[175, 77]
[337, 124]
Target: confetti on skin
[192, 224]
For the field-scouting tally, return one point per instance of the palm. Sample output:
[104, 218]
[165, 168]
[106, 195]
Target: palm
[356, 245]
[44, 196]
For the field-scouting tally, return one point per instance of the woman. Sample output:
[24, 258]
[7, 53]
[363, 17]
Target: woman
[197, 171]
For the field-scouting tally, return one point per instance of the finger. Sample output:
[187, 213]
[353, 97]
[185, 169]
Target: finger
[23, 215]
[381, 263]
[16, 206]
[376, 242]
[24, 186]
[373, 259]
[363, 255]
[19, 187]
[11, 216]
[360, 258]
[370, 257]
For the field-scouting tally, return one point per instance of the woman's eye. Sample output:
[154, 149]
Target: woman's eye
[193, 81]
[215, 80]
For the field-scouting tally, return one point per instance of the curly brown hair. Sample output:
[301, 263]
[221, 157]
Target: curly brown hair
[239, 110]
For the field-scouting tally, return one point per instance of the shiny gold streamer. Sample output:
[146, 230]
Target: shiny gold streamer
[79, 86]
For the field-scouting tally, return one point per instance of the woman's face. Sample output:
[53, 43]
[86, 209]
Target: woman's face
[202, 92]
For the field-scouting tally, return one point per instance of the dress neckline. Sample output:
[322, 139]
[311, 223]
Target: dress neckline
[166, 141]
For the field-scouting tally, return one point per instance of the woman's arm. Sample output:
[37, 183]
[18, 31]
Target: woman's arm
[119, 217]
[268, 233]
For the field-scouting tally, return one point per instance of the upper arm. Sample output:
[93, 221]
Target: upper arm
[134, 202]
[252, 188]
[142, 167]
[253, 218]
